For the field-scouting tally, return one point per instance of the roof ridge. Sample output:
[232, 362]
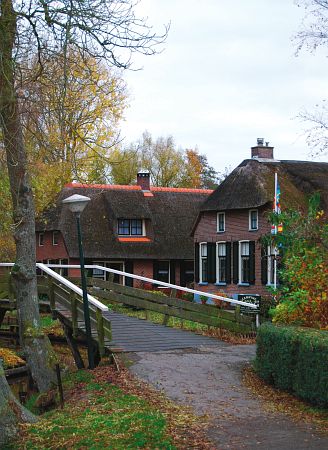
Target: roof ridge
[137, 188]
[172, 189]
[104, 186]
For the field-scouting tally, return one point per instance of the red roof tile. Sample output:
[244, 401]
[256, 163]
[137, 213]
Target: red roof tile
[134, 239]
[138, 188]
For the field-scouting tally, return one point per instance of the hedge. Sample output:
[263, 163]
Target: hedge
[294, 359]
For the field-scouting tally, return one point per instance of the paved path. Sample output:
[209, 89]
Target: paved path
[209, 380]
[136, 335]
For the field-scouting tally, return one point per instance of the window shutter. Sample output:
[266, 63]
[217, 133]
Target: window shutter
[172, 271]
[128, 268]
[252, 262]
[228, 262]
[211, 262]
[196, 263]
[235, 262]
[264, 266]
[182, 273]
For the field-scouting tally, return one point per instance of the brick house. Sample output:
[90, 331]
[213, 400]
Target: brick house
[228, 254]
[139, 229]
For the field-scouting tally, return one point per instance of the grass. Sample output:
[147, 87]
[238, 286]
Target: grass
[103, 416]
[51, 326]
[110, 409]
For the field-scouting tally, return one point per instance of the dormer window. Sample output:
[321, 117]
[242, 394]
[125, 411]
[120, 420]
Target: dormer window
[131, 227]
[220, 222]
[253, 220]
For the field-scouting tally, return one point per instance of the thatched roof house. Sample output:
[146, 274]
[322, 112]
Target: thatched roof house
[251, 184]
[233, 218]
[162, 219]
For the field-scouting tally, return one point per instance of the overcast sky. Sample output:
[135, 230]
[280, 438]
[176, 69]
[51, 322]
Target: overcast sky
[227, 75]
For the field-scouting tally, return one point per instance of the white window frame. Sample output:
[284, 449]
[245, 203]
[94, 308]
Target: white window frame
[41, 234]
[218, 281]
[201, 260]
[220, 213]
[271, 253]
[250, 220]
[55, 233]
[240, 262]
[143, 225]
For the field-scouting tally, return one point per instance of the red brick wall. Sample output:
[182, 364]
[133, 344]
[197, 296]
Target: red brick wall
[49, 251]
[237, 229]
[144, 268]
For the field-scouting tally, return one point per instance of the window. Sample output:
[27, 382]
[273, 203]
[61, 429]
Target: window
[244, 262]
[186, 273]
[253, 220]
[221, 222]
[41, 239]
[163, 271]
[203, 274]
[221, 266]
[130, 227]
[101, 274]
[55, 237]
[64, 270]
[271, 256]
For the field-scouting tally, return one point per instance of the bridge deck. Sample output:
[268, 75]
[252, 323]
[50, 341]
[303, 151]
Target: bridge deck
[136, 335]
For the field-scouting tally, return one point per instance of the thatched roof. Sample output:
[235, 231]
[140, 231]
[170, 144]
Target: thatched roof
[251, 185]
[170, 214]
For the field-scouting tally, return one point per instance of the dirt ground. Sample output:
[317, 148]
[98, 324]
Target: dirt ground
[209, 379]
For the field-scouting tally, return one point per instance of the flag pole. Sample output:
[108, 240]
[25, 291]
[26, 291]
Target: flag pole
[275, 231]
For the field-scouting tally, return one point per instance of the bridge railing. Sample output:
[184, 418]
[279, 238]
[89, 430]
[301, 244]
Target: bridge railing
[63, 294]
[206, 314]
[47, 268]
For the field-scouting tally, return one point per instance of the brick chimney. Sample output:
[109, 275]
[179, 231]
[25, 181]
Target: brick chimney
[262, 151]
[143, 180]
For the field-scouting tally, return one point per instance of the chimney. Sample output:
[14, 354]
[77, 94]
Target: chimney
[262, 151]
[143, 180]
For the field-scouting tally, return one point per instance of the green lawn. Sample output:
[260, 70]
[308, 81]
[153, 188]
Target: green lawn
[99, 415]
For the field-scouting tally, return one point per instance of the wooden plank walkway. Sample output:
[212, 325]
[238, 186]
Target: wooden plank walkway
[130, 334]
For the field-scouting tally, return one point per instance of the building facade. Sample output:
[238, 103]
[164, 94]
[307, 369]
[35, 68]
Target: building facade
[230, 256]
[137, 229]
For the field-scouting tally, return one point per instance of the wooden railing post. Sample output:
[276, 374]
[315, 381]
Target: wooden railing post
[52, 300]
[74, 314]
[100, 332]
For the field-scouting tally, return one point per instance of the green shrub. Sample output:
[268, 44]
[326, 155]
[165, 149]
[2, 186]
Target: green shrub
[294, 359]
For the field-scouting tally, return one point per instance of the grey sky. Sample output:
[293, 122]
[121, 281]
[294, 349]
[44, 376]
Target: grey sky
[228, 74]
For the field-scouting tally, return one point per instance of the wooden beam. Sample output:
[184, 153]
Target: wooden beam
[71, 342]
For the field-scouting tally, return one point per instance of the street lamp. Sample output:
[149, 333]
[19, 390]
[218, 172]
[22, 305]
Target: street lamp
[76, 204]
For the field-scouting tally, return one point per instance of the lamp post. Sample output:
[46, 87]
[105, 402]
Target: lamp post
[76, 204]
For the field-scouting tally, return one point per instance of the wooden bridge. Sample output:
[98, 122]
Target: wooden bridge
[116, 332]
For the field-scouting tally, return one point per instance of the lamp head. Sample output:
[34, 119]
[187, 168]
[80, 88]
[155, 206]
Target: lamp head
[76, 203]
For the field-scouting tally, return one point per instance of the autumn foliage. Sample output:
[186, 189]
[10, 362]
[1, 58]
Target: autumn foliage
[304, 273]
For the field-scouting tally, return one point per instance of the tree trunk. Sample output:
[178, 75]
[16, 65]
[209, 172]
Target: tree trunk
[34, 344]
[11, 411]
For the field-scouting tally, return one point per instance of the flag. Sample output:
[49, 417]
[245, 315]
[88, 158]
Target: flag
[276, 205]
[277, 195]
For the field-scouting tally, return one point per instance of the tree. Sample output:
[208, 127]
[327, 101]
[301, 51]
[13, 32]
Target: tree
[168, 165]
[11, 411]
[70, 122]
[303, 246]
[314, 34]
[105, 29]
